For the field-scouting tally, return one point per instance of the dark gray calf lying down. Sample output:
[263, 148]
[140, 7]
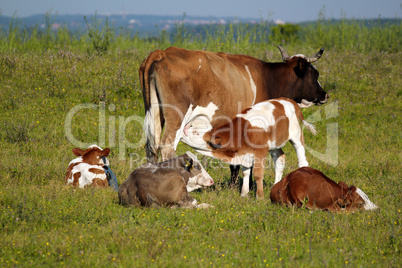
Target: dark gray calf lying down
[166, 184]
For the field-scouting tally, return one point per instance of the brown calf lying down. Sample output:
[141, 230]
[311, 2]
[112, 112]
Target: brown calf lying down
[317, 191]
[166, 183]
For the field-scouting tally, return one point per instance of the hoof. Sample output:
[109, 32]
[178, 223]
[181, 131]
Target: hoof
[204, 206]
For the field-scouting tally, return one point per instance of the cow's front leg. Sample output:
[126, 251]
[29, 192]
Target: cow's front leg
[279, 161]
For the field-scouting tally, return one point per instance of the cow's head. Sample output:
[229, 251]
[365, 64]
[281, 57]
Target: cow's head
[350, 199]
[198, 176]
[92, 155]
[302, 79]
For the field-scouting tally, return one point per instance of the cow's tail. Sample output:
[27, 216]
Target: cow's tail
[299, 115]
[153, 122]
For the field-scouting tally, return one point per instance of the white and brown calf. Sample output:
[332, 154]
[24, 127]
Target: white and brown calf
[87, 169]
[247, 139]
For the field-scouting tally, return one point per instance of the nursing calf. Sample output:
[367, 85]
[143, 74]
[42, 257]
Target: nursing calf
[247, 139]
[311, 187]
[165, 184]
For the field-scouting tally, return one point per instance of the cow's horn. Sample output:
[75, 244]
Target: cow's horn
[285, 56]
[316, 57]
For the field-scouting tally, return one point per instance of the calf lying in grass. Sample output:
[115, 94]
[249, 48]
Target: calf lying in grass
[311, 187]
[90, 168]
[165, 184]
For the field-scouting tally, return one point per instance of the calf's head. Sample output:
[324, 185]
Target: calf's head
[92, 155]
[350, 199]
[198, 176]
[224, 141]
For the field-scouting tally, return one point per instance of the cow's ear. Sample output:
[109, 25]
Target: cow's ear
[105, 152]
[216, 142]
[188, 164]
[78, 151]
[301, 67]
[302, 63]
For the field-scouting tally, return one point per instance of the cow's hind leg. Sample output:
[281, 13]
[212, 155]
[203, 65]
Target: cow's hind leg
[153, 125]
[279, 161]
[167, 151]
[168, 138]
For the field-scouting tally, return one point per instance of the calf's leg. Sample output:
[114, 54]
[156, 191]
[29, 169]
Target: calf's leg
[279, 161]
[258, 171]
[234, 174]
[246, 181]
[300, 151]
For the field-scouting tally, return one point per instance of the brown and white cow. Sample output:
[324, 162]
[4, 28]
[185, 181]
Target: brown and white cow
[166, 184]
[310, 187]
[247, 139]
[87, 169]
[175, 78]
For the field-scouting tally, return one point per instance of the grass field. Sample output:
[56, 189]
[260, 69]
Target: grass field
[56, 98]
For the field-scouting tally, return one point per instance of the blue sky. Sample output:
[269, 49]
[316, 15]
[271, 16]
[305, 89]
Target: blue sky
[286, 10]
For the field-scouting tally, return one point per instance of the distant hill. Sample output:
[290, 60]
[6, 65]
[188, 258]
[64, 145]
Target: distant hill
[143, 25]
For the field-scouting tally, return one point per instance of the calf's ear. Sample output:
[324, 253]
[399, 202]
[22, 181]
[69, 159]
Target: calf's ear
[188, 164]
[355, 196]
[78, 151]
[215, 142]
[351, 190]
[105, 152]
[207, 136]
[343, 185]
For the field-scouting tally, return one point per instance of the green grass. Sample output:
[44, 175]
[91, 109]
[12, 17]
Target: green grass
[45, 223]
